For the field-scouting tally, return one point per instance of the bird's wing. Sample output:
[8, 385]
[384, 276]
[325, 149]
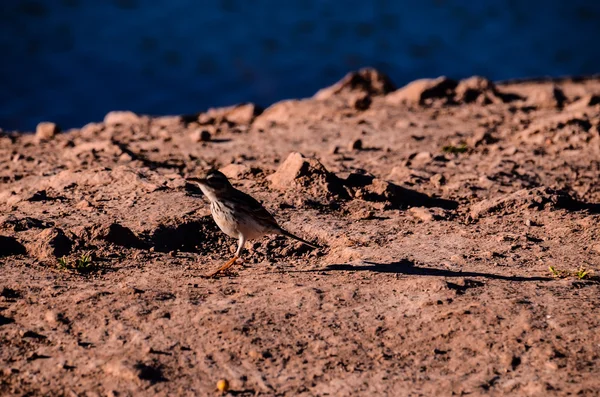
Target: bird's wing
[249, 204]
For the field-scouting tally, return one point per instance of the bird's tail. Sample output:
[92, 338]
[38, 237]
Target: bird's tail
[290, 235]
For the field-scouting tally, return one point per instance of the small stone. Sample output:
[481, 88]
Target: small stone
[243, 114]
[437, 180]
[361, 102]
[456, 258]
[421, 213]
[488, 254]
[200, 135]
[254, 354]
[421, 158]
[481, 137]
[547, 97]
[49, 244]
[236, 171]
[46, 130]
[334, 149]
[84, 205]
[423, 90]
[362, 214]
[355, 145]
[52, 317]
[121, 118]
[223, 385]
[125, 158]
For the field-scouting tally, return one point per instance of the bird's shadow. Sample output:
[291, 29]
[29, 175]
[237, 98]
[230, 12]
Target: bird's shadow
[409, 268]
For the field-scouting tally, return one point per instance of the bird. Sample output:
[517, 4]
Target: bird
[238, 214]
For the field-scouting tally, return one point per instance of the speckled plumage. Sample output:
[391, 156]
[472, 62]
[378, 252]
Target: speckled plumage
[238, 214]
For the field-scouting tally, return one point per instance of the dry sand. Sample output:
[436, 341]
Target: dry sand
[440, 205]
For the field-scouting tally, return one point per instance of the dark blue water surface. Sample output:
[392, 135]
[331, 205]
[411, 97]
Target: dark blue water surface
[71, 61]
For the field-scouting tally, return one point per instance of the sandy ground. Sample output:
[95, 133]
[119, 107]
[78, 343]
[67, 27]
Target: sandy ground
[440, 206]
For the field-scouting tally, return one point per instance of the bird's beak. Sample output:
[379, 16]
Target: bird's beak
[201, 181]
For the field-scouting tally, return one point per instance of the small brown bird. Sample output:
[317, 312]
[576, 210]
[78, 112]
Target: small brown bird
[237, 214]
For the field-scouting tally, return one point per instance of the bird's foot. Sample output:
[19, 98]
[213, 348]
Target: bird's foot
[224, 270]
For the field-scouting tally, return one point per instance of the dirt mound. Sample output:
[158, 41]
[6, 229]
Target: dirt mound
[482, 91]
[424, 91]
[446, 91]
[537, 198]
[366, 81]
[190, 235]
[309, 176]
[367, 187]
[50, 244]
[463, 219]
[118, 234]
[241, 114]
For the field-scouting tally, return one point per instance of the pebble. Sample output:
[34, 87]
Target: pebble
[200, 135]
[356, 144]
[46, 130]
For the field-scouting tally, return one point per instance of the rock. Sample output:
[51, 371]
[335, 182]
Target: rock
[118, 117]
[50, 244]
[241, 114]
[40, 195]
[367, 80]
[421, 213]
[46, 130]
[369, 188]
[236, 171]
[361, 102]
[481, 137]
[362, 214]
[399, 174]
[121, 369]
[84, 205]
[279, 113]
[200, 135]
[437, 180]
[11, 246]
[589, 100]
[547, 97]
[355, 145]
[54, 318]
[90, 130]
[420, 159]
[538, 198]
[423, 91]
[482, 91]
[304, 173]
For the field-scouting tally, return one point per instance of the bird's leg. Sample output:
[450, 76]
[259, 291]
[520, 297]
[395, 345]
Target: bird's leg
[225, 267]
[231, 262]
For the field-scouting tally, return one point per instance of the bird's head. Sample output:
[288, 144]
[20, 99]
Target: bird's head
[213, 183]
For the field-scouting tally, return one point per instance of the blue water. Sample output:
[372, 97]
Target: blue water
[72, 61]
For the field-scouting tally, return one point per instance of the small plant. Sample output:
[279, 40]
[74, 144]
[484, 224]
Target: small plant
[582, 273]
[462, 148]
[62, 263]
[82, 264]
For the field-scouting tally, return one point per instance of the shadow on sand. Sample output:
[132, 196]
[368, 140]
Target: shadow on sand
[408, 268]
